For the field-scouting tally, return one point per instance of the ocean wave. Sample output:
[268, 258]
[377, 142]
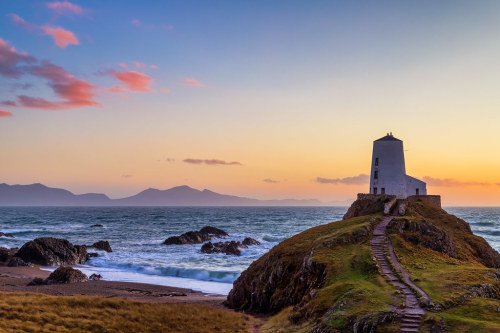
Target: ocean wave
[191, 273]
[273, 239]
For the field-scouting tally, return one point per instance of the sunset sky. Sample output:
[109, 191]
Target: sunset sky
[264, 99]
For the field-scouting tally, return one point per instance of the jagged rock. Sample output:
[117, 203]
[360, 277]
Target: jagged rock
[49, 251]
[102, 245]
[66, 275]
[96, 226]
[95, 277]
[250, 241]
[92, 255]
[367, 205]
[229, 248]
[196, 237]
[6, 235]
[18, 262]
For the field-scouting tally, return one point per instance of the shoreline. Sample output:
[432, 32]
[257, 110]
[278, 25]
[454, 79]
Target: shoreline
[16, 279]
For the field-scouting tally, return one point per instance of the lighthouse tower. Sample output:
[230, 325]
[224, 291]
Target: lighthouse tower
[388, 174]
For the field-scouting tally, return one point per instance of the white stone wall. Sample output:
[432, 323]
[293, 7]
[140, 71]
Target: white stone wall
[412, 184]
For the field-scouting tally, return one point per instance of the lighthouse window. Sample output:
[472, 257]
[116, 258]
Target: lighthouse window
[375, 175]
[376, 161]
[383, 190]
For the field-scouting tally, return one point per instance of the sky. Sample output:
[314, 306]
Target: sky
[263, 99]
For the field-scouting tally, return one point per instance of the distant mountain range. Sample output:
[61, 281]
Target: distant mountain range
[41, 195]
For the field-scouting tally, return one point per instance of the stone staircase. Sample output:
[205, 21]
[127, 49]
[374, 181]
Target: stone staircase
[412, 312]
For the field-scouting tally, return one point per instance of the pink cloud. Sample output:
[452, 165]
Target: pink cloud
[124, 66]
[61, 36]
[75, 93]
[191, 82]
[165, 90]
[450, 182]
[134, 81]
[5, 113]
[64, 7]
[8, 103]
[209, 162]
[136, 22]
[10, 58]
[271, 181]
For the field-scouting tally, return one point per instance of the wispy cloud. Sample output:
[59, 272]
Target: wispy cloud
[133, 81]
[451, 182]
[355, 180]
[127, 176]
[165, 90]
[8, 103]
[191, 82]
[170, 160]
[10, 60]
[74, 92]
[136, 22]
[5, 114]
[65, 7]
[61, 36]
[270, 181]
[209, 162]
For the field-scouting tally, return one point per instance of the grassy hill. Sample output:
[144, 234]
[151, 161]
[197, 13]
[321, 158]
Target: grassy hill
[325, 280]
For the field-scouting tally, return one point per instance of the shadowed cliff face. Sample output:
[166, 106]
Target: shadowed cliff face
[324, 279]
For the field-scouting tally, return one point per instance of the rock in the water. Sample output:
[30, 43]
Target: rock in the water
[102, 245]
[18, 262]
[229, 248]
[250, 241]
[95, 277]
[8, 234]
[196, 237]
[66, 275]
[92, 255]
[96, 226]
[49, 251]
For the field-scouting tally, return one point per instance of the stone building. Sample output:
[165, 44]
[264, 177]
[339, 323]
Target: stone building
[388, 172]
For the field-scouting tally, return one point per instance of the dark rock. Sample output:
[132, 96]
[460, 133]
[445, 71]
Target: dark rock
[6, 235]
[18, 262]
[49, 251]
[250, 241]
[37, 282]
[4, 254]
[229, 248]
[213, 231]
[95, 277]
[96, 226]
[102, 245]
[92, 255]
[196, 237]
[66, 275]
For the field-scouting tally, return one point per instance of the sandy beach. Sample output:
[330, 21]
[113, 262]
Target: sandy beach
[16, 279]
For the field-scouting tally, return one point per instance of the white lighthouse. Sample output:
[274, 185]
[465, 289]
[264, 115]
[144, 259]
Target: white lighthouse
[388, 175]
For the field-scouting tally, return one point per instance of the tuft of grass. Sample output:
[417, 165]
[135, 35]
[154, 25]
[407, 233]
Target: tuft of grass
[29, 312]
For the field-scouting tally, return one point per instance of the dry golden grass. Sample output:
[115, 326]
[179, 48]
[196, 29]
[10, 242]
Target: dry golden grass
[28, 312]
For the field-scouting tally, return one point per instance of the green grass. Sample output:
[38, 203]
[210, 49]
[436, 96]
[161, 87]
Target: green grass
[28, 312]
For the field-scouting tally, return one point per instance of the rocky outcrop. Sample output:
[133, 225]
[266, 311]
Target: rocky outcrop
[368, 204]
[96, 226]
[8, 234]
[49, 251]
[102, 245]
[95, 277]
[229, 248]
[250, 241]
[61, 275]
[4, 254]
[196, 237]
[18, 262]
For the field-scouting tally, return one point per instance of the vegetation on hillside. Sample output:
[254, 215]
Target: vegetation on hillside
[29, 312]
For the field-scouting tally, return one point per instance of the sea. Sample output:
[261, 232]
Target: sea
[136, 235]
